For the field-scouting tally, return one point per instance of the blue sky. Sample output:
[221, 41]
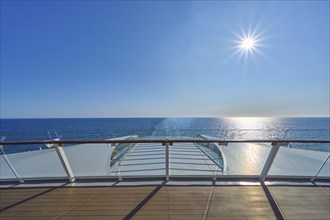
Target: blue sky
[167, 58]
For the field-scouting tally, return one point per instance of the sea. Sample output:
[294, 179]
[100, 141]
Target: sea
[233, 128]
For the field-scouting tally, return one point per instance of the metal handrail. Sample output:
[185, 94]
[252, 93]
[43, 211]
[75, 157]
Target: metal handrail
[163, 141]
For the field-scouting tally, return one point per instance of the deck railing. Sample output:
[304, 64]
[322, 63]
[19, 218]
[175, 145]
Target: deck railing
[276, 144]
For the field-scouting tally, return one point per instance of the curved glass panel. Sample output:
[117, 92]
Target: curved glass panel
[213, 152]
[187, 159]
[119, 152]
[140, 160]
[238, 158]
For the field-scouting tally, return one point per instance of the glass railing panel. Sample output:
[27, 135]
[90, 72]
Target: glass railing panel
[37, 164]
[293, 161]
[5, 170]
[141, 160]
[97, 159]
[245, 158]
[213, 152]
[24, 136]
[89, 160]
[120, 152]
[325, 168]
[190, 159]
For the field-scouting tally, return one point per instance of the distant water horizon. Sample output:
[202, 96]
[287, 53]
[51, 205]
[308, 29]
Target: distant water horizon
[20, 129]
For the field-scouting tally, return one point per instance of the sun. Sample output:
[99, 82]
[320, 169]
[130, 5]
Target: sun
[247, 43]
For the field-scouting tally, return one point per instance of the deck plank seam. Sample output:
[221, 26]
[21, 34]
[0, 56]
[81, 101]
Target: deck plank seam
[208, 203]
[80, 203]
[29, 198]
[273, 203]
[145, 201]
[328, 194]
[320, 187]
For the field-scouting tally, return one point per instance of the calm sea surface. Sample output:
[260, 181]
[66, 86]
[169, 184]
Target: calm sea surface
[104, 128]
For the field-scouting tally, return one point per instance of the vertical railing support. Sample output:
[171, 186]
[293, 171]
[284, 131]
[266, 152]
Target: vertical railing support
[271, 157]
[64, 161]
[326, 160]
[120, 178]
[167, 162]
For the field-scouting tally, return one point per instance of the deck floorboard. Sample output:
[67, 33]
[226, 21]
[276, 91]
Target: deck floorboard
[302, 202]
[169, 202]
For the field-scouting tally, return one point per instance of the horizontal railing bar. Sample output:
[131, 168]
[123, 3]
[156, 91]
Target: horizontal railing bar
[163, 141]
[190, 129]
[186, 177]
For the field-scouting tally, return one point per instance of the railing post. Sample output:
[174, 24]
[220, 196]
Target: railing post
[313, 178]
[271, 157]
[167, 162]
[120, 178]
[64, 161]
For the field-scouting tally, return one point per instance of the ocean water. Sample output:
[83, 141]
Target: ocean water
[105, 128]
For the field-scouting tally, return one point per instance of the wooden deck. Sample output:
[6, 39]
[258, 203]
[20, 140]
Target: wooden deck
[165, 202]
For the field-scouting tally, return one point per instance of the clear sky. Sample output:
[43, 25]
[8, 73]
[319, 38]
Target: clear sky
[164, 58]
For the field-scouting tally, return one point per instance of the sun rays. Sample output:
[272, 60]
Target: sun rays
[247, 45]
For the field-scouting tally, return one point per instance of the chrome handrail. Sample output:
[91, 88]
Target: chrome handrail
[162, 141]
